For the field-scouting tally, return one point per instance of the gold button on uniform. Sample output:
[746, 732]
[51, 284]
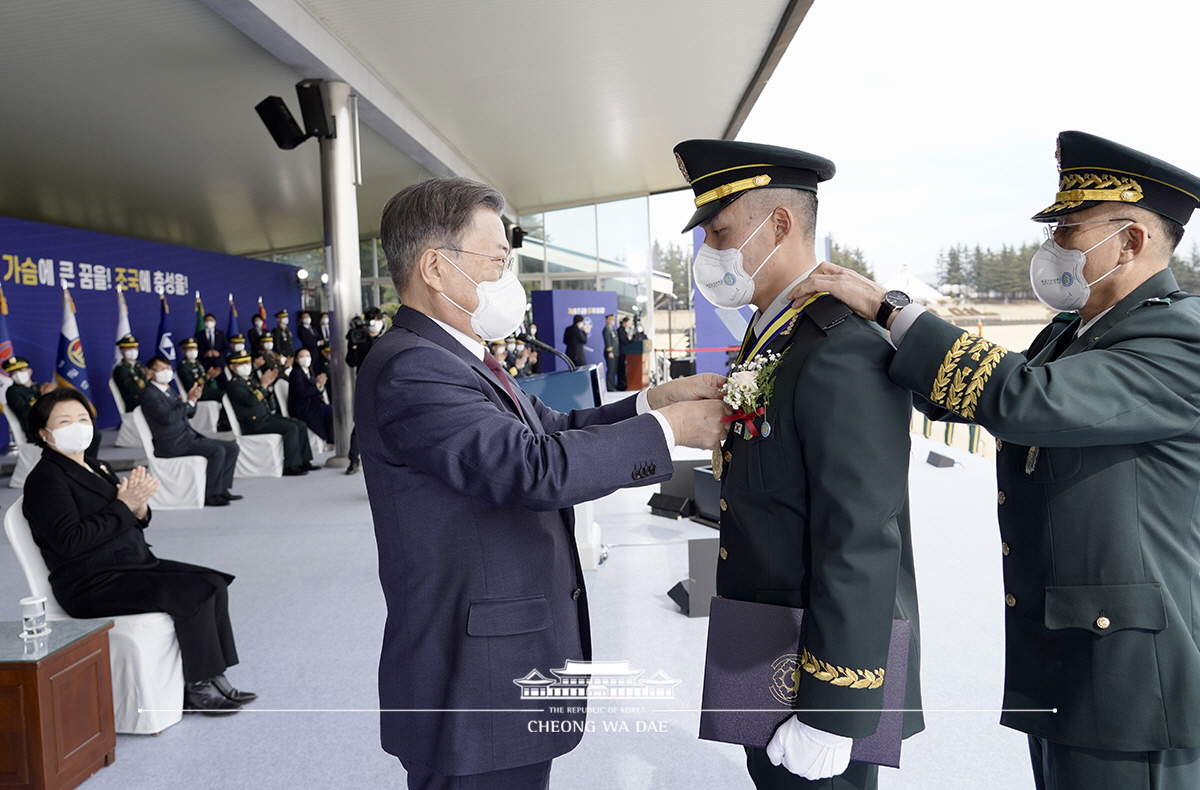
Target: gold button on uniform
[1004, 548]
[1010, 599]
[724, 504]
[999, 445]
[1001, 497]
[728, 456]
[724, 554]
[1103, 622]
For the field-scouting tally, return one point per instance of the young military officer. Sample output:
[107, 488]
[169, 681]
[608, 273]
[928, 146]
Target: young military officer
[1098, 451]
[814, 486]
[130, 375]
[285, 340]
[251, 404]
[23, 392]
[191, 370]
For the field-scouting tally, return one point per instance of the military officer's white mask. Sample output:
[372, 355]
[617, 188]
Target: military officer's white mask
[722, 278]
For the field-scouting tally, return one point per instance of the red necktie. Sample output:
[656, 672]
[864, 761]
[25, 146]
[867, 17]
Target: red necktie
[491, 362]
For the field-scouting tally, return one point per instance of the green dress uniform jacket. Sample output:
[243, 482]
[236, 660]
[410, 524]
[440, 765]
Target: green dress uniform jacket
[254, 407]
[815, 513]
[132, 379]
[1098, 457]
[20, 400]
[191, 371]
[285, 341]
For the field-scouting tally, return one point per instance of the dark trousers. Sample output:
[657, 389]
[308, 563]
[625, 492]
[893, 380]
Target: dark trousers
[352, 454]
[196, 597]
[1059, 767]
[525, 777]
[222, 458]
[857, 776]
[621, 383]
[610, 372]
[296, 451]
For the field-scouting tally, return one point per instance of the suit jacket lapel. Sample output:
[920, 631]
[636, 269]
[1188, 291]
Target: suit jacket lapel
[423, 325]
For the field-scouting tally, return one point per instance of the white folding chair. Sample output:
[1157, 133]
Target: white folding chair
[258, 456]
[128, 435]
[181, 480]
[28, 453]
[282, 388]
[207, 414]
[147, 669]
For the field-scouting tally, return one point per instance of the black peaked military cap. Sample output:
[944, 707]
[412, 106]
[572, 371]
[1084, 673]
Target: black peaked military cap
[129, 341]
[13, 364]
[721, 171]
[1093, 170]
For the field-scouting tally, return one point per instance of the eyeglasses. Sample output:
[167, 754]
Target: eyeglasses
[1052, 229]
[505, 262]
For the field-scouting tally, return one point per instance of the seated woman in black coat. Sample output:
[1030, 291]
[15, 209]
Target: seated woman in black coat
[88, 525]
[306, 397]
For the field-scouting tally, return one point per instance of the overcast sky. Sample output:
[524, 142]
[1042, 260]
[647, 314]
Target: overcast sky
[941, 115]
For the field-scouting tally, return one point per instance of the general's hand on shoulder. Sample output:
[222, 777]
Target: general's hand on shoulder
[860, 294]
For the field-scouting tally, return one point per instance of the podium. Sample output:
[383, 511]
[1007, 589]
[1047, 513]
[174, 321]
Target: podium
[564, 390]
[637, 364]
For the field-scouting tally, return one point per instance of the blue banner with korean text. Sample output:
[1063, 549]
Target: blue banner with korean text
[38, 260]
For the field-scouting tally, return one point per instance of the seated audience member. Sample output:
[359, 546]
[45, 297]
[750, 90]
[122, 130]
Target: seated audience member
[308, 399]
[168, 415]
[193, 370]
[130, 376]
[89, 526]
[23, 392]
[252, 405]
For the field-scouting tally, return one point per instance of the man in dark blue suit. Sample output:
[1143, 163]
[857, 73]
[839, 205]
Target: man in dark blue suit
[211, 343]
[471, 483]
[167, 414]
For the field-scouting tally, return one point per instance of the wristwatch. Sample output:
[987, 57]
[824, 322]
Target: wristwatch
[892, 301]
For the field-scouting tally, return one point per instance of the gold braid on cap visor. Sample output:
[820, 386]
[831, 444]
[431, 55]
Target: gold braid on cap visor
[728, 189]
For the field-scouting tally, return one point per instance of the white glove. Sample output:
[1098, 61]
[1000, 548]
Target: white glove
[809, 752]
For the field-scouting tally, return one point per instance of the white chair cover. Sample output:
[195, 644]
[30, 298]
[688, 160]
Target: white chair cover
[147, 669]
[206, 416]
[181, 481]
[258, 456]
[282, 388]
[128, 435]
[28, 454]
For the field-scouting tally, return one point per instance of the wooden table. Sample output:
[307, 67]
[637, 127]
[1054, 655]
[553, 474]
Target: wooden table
[56, 705]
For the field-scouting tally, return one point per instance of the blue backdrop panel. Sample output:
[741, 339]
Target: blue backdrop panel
[553, 311]
[716, 327]
[37, 260]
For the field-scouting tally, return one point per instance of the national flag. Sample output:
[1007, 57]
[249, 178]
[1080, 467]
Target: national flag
[232, 329]
[71, 370]
[6, 346]
[122, 325]
[199, 316]
[165, 346]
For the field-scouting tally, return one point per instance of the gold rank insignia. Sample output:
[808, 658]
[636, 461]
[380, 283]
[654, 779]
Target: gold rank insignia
[964, 373]
[682, 168]
[718, 463]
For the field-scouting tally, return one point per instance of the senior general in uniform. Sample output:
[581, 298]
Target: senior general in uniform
[815, 487]
[1098, 452]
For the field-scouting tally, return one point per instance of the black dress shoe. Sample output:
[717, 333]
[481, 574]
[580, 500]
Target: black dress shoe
[294, 471]
[204, 697]
[308, 465]
[352, 469]
[240, 697]
[216, 500]
[232, 497]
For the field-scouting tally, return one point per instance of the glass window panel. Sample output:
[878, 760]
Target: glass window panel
[588, 284]
[366, 258]
[389, 302]
[570, 236]
[368, 296]
[624, 235]
[530, 258]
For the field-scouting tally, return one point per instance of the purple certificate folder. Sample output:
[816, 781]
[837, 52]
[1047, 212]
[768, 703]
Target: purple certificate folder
[750, 646]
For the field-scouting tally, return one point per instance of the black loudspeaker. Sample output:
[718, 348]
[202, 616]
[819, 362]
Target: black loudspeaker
[679, 594]
[279, 122]
[683, 366]
[940, 461]
[670, 506]
[518, 236]
[317, 120]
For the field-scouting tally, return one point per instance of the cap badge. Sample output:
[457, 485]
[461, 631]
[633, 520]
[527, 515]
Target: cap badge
[682, 168]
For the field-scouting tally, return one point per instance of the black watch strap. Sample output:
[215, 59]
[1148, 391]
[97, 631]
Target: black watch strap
[885, 312]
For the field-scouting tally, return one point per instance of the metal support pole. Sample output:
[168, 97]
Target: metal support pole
[340, 202]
